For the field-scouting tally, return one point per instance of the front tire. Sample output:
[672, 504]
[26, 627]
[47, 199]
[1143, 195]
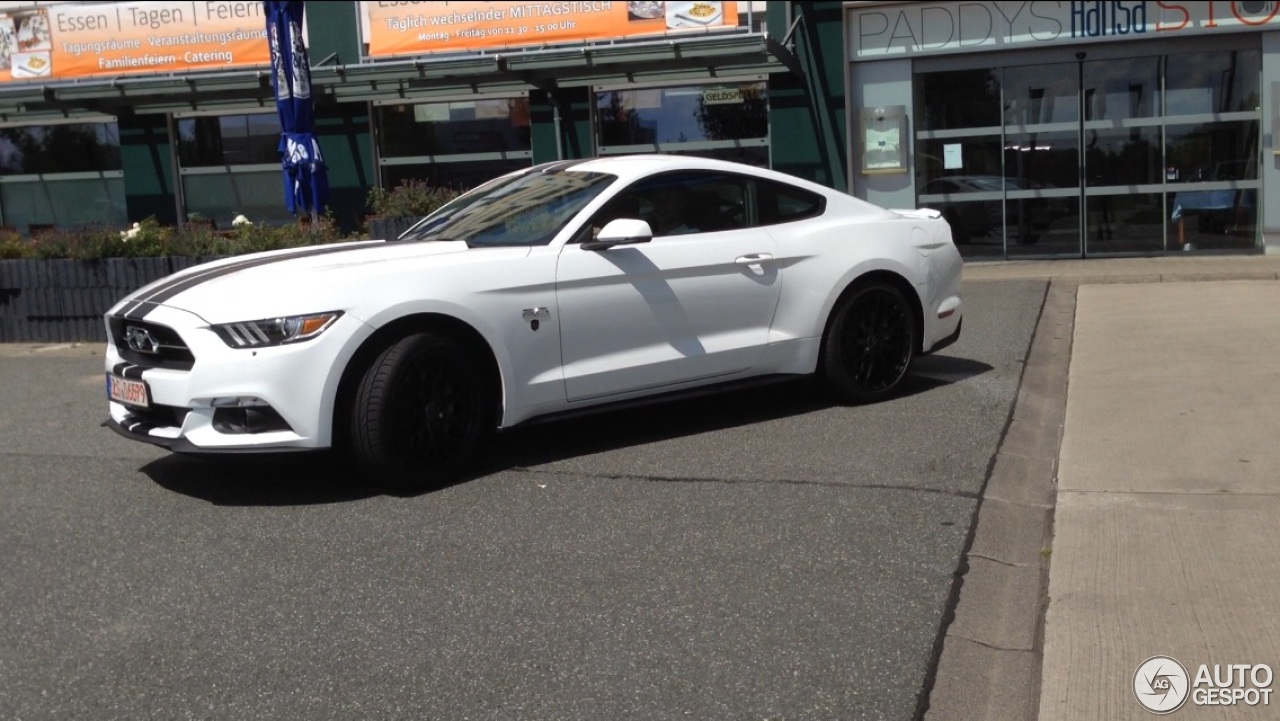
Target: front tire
[419, 413]
[870, 344]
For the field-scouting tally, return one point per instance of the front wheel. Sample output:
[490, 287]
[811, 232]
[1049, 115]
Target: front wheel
[419, 413]
[870, 343]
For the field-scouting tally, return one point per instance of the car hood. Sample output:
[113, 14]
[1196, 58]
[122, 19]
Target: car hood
[301, 280]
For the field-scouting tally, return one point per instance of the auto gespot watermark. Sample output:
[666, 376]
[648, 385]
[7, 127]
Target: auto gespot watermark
[1162, 684]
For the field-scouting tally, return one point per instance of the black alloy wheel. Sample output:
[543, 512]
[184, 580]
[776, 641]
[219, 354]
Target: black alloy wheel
[870, 344]
[420, 413]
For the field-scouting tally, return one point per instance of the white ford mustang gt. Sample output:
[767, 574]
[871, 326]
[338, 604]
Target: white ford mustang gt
[564, 286]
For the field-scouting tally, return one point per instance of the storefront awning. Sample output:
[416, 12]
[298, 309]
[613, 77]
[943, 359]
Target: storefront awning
[668, 60]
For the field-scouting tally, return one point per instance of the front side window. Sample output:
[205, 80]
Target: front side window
[526, 209]
[682, 204]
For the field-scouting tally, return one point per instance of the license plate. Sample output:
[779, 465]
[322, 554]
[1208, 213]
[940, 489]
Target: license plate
[130, 393]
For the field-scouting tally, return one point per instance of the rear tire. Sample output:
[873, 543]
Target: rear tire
[419, 413]
[870, 343]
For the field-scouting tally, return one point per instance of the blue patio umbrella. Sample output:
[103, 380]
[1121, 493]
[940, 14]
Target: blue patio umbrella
[306, 182]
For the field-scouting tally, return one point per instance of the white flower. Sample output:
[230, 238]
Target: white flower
[241, 220]
[130, 234]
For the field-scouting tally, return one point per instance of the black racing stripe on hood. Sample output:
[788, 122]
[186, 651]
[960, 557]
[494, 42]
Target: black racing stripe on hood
[142, 306]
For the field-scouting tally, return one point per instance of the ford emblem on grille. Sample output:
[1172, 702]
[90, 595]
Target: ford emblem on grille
[140, 340]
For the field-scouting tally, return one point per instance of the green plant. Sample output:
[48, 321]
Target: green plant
[412, 198]
[13, 246]
[149, 239]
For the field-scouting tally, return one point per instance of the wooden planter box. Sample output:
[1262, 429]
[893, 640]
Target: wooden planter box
[63, 301]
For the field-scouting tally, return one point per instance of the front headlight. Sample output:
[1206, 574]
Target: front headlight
[275, 331]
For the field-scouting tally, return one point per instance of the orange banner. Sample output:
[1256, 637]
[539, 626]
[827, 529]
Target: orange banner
[416, 28]
[67, 40]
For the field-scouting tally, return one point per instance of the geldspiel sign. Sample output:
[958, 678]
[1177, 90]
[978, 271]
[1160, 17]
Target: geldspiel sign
[416, 28]
[70, 40]
[915, 29]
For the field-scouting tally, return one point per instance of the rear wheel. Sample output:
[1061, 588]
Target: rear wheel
[870, 343]
[419, 413]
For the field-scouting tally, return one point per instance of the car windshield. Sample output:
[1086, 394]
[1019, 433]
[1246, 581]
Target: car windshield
[527, 209]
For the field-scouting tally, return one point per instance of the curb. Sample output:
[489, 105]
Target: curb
[992, 649]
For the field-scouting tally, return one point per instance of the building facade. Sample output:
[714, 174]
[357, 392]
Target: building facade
[1040, 128]
[1072, 129]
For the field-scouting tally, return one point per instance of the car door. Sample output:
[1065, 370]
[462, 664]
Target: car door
[693, 304]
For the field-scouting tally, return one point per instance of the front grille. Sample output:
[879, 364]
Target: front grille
[171, 351]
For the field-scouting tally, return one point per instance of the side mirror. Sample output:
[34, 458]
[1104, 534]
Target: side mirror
[623, 231]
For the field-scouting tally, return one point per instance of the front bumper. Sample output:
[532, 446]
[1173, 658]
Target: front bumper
[296, 382]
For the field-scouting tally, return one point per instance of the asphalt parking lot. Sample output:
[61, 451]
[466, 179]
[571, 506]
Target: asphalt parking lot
[756, 555]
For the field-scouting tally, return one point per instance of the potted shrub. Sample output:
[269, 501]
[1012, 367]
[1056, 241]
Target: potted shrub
[396, 210]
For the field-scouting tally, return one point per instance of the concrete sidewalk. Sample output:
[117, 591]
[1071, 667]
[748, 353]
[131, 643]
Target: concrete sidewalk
[1165, 539]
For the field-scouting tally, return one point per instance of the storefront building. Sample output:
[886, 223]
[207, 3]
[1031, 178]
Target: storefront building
[1071, 129]
[1041, 128]
[112, 112]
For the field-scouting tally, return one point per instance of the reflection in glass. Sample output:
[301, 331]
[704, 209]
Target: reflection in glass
[1121, 89]
[955, 99]
[1044, 226]
[1123, 156]
[258, 195]
[1213, 82]
[473, 126]
[528, 209]
[1212, 151]
[1043, 160]
[682, 115]
[229, 140]
[68, 148]
[1124, 223]
[63, 202]
[977, 155]
[1042, 94]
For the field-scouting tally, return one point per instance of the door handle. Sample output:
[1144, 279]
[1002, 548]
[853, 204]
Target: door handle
[753, 259]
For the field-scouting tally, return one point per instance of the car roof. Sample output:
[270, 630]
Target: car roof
[629, 167]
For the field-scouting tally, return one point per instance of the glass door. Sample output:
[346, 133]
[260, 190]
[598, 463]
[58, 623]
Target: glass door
[1042, 163]
[1121, 134]
[1115, 156]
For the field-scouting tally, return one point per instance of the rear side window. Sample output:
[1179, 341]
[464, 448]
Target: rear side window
[782, 203]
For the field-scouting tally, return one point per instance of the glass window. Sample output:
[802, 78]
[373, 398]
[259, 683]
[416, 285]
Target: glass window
[1122, 89]
[68, 148]
[695, 113]
[63, 203]
[258, 195]
[229, 140]
[1041, 94]
[474, 126]
[1207, 152]
[781, 203]
[955, 99]
[1213, 82]
[527, 209]
[1125, 156]
[971, 155]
